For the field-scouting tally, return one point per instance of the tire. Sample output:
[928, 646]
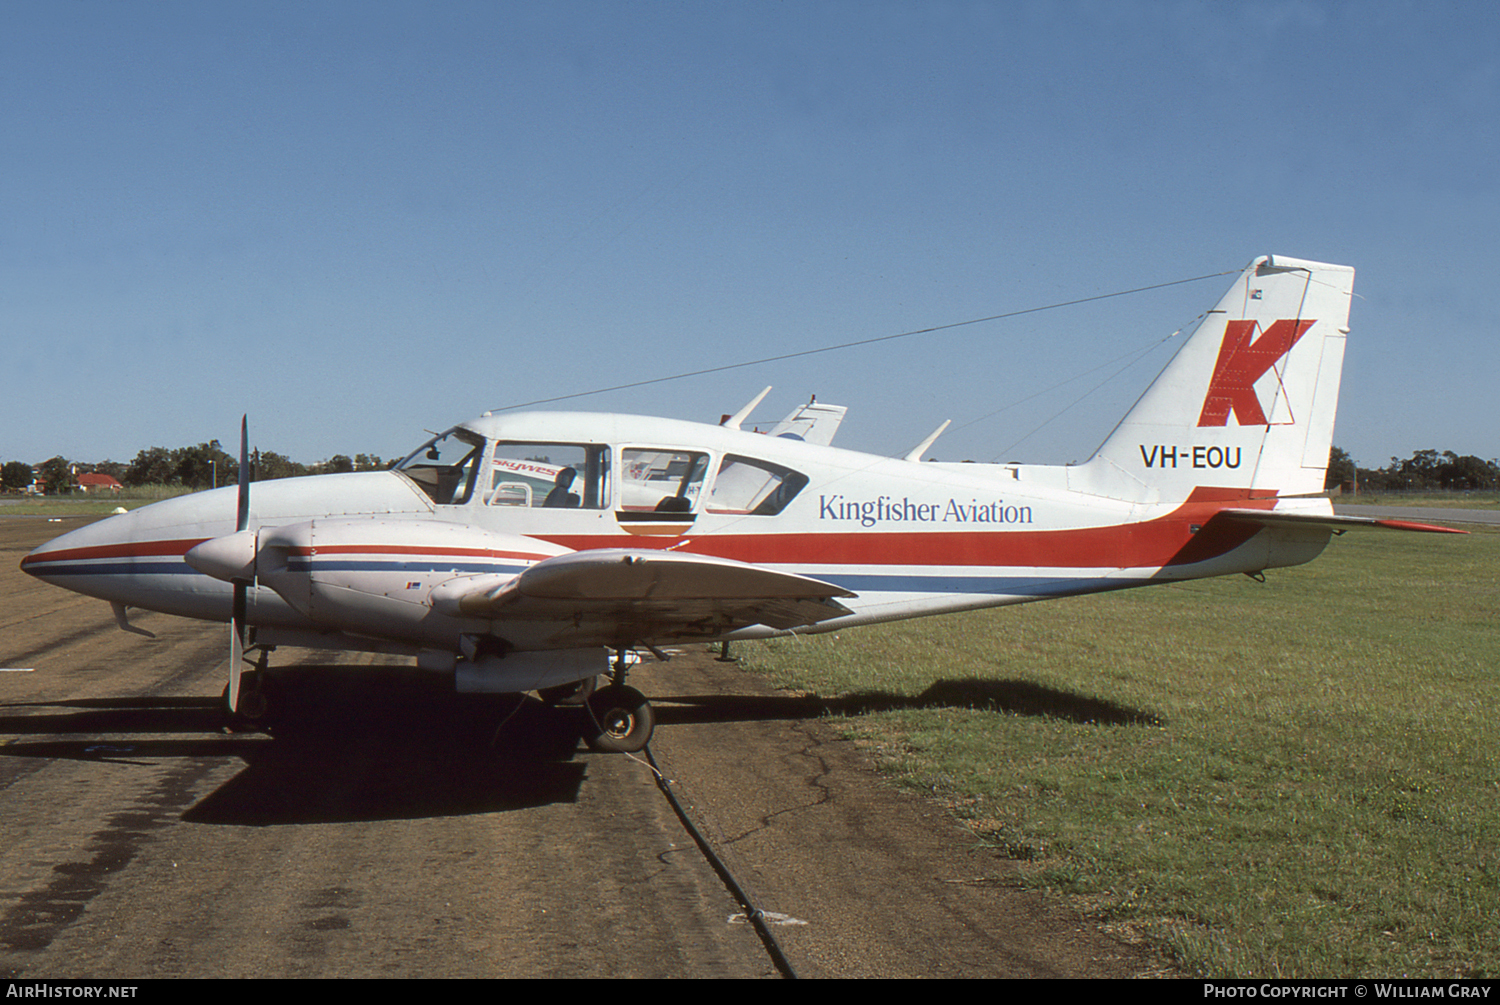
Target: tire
[621, 720]
[252, 715]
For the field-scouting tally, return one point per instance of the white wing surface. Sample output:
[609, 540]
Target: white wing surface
[648, 594]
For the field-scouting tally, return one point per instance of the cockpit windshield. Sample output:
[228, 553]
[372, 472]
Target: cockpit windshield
[445, 465]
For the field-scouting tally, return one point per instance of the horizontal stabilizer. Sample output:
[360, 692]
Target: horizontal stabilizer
[1271, 518]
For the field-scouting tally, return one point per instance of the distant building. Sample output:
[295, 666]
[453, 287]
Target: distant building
[95, 484]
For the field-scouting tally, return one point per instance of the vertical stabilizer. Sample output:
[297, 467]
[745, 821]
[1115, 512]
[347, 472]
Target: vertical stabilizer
[1248, 402]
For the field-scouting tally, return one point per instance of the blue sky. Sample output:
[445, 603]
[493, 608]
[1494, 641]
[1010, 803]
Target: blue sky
[355, 221]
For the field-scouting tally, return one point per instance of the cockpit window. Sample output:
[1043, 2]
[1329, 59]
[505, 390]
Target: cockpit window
[445, 466]
[753, 487]
[549, 475]
[661, 481]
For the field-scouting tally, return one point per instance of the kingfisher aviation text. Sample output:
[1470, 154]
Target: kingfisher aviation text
[885, 509]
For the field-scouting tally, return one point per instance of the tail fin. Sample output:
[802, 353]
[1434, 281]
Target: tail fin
[1248, 402]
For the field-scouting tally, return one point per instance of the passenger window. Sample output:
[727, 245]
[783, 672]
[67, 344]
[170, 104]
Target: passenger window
[661, 481]
[549, 476]
[753, 487]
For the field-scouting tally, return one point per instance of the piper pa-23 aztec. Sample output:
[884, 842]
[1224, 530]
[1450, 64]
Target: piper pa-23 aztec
[517, 551]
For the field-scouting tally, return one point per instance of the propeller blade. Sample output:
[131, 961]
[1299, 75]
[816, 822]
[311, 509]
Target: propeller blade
[236, 648]
[237, 617]
[242, 518]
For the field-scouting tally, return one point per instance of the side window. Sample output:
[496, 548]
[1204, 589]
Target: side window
[549, 475]
[753, 487]
[661, 481]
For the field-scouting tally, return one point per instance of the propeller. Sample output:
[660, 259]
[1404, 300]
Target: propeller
[241, 585]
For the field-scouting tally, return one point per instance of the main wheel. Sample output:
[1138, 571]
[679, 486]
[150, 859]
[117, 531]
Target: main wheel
[621, 720]
[252, 713]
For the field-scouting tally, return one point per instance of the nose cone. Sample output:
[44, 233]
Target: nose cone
[229, 558]
[80, 552]
[136, 558]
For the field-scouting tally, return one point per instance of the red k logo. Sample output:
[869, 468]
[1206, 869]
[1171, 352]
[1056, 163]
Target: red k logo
[1244, 359]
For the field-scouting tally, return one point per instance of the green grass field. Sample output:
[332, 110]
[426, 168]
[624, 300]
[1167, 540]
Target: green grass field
[1291, 778]
[86, 505]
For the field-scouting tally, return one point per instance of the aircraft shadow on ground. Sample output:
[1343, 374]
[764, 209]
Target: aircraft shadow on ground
[351, 746]
[284, 786]
[1010, 697]
[386, 754]
[112, 715]
[336, 752]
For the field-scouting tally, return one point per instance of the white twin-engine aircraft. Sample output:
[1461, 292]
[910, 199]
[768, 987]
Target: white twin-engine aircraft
[517, 551]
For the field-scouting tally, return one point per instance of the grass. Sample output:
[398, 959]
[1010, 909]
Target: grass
[1296, 778]
[88, 505]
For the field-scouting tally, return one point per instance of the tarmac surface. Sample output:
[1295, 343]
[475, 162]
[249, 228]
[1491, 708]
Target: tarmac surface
[387, 829]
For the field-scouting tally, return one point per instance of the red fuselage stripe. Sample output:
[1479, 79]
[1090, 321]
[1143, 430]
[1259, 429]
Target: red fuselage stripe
[129, 549]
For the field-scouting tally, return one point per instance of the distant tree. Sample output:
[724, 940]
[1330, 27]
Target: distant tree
[57, 475]
[15, 476]
[1419, 471]
[368, 462]
[202, 466]
[1340, 469]
[270, 465]
[1431, 470]
[1470, 473]
[152, 466]
[337, 464]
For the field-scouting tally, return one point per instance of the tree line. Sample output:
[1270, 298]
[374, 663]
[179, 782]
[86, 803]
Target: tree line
[203, 466]
[1425, 470]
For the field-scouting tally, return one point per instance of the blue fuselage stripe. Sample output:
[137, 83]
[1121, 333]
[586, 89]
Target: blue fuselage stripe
[116, 569]
[416, 565]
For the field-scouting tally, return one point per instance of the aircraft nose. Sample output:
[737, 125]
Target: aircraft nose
[98, 557]
[32, 563]
[58, 557]
[230, 558]
[136, 558]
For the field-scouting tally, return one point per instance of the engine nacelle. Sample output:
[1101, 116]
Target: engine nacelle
[378, 576]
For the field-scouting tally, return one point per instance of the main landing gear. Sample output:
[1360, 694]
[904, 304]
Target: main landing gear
[620, 719]
[254, 703]
[617, 717]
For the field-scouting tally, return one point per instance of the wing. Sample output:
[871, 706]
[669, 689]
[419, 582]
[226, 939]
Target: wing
[641, 595]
